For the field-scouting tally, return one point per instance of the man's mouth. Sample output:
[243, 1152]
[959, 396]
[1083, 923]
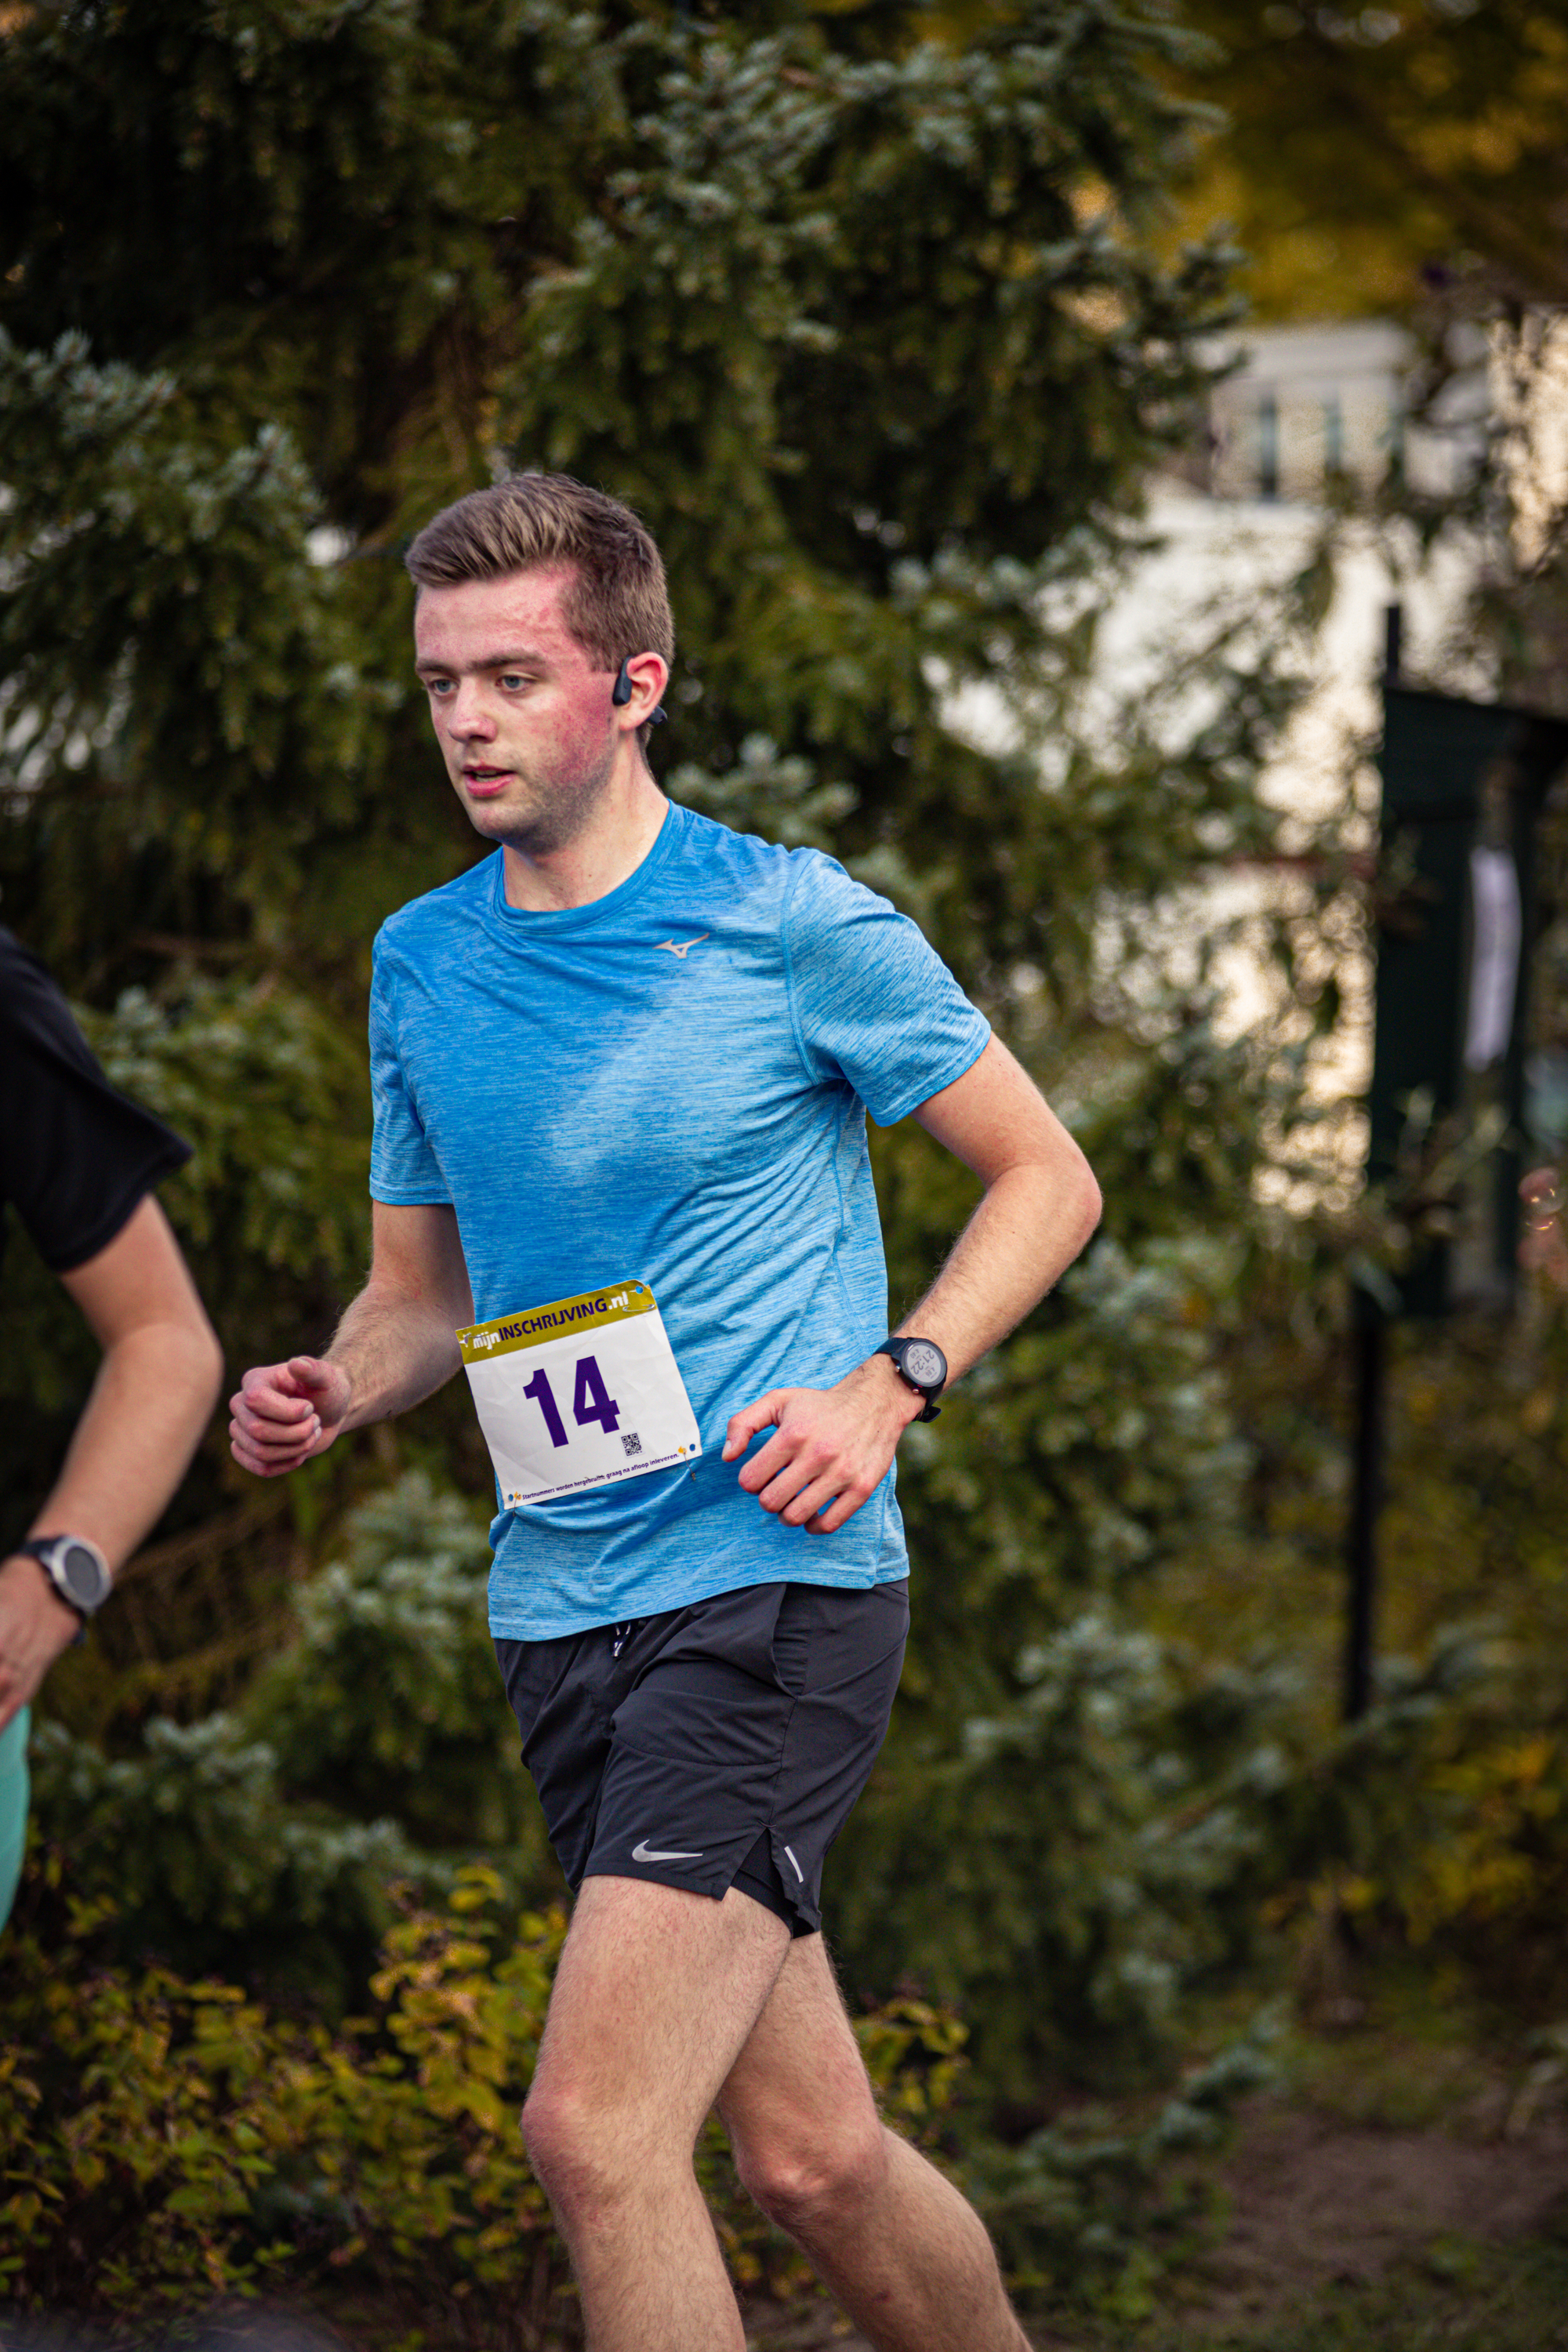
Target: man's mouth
[482, 783]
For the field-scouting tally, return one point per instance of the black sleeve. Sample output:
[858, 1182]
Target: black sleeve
[76, 1156]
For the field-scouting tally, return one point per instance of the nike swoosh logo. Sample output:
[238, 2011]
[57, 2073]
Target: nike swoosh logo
[645, 1853]
[680, 946]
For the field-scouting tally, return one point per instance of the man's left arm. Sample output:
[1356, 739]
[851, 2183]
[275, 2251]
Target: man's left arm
[831, 1447]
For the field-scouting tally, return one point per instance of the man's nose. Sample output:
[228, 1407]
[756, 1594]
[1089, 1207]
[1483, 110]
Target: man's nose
[468, 715]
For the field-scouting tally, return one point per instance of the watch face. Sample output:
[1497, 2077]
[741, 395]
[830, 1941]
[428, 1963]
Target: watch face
[81, 1572]
[924, 1364]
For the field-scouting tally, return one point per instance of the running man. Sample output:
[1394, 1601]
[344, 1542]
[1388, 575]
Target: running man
[621, 1074]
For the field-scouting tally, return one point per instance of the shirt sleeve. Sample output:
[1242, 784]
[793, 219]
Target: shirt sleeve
[404, 1169]
[76, 1157]
[874, 1005]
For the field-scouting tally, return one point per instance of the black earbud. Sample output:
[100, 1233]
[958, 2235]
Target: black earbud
[621, 694]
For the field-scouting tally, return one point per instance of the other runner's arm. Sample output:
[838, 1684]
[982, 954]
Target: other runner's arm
[159, 1381]
[831, 1447]
[395, 1346]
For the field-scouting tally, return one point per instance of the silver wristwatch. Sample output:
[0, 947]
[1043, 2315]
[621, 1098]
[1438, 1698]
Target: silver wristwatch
[77, 1569]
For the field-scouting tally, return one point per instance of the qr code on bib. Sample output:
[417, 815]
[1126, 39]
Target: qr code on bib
[630, 1442]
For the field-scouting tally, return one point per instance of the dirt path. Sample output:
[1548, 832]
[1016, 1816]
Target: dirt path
[1315, 2200]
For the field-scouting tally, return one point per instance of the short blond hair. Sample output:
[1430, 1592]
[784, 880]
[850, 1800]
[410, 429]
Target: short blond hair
[617, 604]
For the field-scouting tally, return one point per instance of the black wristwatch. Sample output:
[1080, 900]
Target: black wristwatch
[922, 1366]
[77, 1569]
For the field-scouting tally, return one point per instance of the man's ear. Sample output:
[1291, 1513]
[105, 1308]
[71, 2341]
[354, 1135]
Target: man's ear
[626, 686]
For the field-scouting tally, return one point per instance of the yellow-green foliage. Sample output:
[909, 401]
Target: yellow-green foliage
[167, 2122]
[163, 2142]
[165, 2129]
[1505, 1855]
[1485, 1878]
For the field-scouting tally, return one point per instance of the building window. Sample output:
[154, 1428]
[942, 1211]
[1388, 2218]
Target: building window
[1333, 436]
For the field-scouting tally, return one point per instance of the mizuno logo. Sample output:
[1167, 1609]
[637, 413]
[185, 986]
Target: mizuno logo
[643, 1851]
[682, 948]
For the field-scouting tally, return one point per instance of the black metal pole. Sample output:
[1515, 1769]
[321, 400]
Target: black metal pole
[1371, 1342]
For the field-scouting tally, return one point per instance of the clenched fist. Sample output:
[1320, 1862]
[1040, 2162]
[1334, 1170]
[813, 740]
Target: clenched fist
[285, 1414]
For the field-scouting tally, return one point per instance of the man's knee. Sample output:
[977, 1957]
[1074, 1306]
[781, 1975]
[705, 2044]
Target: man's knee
[582, 2158]
[807, 2179]
[552, 2133]
[591, 2151]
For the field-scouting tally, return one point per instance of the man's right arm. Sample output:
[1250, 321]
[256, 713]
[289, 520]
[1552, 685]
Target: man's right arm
[396, 1345]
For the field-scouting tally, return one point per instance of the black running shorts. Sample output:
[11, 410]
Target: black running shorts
[722, 1744]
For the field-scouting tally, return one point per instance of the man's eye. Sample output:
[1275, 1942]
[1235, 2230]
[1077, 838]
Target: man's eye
[437, 686]
[513, 677]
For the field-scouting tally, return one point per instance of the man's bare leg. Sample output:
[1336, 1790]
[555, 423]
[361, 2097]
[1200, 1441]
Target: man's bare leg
[902, 2252]
[655, 1994]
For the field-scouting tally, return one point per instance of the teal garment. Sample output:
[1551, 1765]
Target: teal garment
[668, 1085]
[13, 1807]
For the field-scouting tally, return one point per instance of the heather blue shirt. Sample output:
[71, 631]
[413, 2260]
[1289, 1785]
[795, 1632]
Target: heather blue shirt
[597, 1108]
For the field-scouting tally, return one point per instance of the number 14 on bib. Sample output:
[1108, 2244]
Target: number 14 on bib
[582, 1392]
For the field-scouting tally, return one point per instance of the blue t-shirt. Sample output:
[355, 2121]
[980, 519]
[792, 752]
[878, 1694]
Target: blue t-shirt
[668, 1085]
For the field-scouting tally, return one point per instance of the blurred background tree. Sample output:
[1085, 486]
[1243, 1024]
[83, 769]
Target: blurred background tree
[1411, 163]
[1368, 155]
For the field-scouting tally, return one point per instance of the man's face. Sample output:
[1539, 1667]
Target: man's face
[523, 718]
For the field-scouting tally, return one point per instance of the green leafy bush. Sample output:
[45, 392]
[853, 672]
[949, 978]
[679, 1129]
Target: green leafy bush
[1079, 1858]
[199, 1859]
[388, 1701]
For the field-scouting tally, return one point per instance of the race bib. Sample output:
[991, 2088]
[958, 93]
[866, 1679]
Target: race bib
[580, 1393]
